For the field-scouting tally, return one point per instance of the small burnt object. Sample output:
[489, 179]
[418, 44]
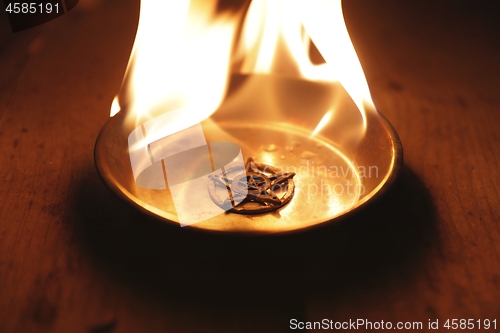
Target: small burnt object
[260, 188]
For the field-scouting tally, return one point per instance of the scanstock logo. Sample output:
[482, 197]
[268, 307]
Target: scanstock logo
[25, 14]
[183, 161]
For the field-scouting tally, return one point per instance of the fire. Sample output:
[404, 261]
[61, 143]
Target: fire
[320, 17]
[322, 123]
[184, 50]
[179, 70]
[180, 59]
[276, 39]
[115, 107]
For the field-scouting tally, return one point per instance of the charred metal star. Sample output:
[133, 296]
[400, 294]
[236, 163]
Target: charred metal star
[261, 188]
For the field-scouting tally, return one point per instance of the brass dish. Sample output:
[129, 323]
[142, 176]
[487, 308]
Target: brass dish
[347, 164]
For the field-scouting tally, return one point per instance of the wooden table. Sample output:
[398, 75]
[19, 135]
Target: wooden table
[73, 258]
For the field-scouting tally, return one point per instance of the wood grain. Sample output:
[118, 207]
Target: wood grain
[75, 259]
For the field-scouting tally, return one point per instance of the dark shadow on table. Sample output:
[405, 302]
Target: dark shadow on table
[385, 241]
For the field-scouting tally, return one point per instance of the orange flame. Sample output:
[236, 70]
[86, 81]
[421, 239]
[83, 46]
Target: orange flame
[276, 39]
[180, 60]
[184, 50]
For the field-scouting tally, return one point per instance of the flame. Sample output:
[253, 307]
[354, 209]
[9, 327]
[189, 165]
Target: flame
[322, 123]
[276, 38]
[179, 62]
[273, 41]
[183, 54]
[115, 107]
[321, 17]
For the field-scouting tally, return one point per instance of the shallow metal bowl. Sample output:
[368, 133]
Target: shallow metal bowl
[346, 164]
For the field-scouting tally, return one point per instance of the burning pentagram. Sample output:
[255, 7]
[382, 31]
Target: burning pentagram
[260, 188]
